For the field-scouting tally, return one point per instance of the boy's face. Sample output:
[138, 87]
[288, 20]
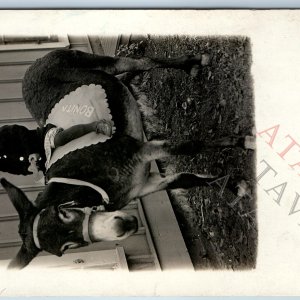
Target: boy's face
[16, 145]
[35, 163]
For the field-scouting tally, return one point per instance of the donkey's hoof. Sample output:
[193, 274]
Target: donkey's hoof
[207, 176]
[205, 59]
[243, 188]
[195, 70]
[250, 142]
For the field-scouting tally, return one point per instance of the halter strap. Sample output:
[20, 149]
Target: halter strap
[88, 211]
[34, 230]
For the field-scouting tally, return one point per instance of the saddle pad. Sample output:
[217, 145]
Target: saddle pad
[86, 104]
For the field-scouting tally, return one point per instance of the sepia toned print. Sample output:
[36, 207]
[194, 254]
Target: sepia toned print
[215, 78]
[192, 99]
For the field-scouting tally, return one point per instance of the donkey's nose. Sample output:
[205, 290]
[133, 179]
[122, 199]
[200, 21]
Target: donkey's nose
[131, 224]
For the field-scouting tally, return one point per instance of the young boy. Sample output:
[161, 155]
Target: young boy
[24, 151]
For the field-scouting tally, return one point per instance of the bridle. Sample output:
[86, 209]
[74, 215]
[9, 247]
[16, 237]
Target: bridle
[88, 211]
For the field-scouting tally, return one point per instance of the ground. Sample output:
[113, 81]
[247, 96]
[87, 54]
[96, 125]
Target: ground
[219, 232]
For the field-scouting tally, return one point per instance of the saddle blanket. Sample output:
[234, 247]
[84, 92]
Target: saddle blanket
[86, 104]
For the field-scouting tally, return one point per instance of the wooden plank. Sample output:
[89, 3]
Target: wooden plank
[8, 100]
[11, 110]
[9, 232]
[106, 259]
[77, 39]
[10, 90]
[16, 120]
[63, 43]
[9, 217]
[81, 47]
[87, 40]
[10, 243]
[22, 57]
[109, 45]
[141, 262]
[12, 216]
[148, 236]
[148, 257]
[133, 245]
[142, 266]
[13, 72]
[111, 259]
[8, 253]
[131, 205]
[22, 122]
[124, 39]
[122, 262]
[76, 42]
[26, 188]
[20, 180]
[7, 210]
[171, 249]
[96, 45]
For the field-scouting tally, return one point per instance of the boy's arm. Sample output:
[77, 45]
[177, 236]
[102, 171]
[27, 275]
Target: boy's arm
[65, 136]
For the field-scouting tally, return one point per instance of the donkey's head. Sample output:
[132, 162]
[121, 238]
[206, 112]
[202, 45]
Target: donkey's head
[59, 227]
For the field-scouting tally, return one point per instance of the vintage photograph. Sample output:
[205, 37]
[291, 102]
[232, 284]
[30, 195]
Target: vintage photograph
[149, 152]
[133, 152]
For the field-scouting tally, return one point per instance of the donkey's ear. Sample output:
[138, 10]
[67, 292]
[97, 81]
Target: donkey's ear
[17, 197]
[23, 258]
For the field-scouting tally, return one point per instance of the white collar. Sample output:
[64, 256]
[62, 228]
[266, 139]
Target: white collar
[81, 183]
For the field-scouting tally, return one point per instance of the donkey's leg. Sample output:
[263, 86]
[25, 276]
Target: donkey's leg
[160, 149]
[118, 65]
[157, 183]
[189, 63]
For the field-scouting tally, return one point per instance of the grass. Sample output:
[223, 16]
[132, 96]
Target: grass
[216, 103]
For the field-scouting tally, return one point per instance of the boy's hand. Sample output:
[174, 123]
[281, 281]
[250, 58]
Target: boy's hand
[104, 127]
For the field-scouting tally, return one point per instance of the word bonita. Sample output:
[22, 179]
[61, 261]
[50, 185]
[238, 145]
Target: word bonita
[77, 109]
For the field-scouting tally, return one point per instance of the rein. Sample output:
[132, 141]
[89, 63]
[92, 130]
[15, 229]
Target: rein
[88, 211]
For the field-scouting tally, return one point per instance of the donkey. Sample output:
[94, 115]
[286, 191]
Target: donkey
[87, 187]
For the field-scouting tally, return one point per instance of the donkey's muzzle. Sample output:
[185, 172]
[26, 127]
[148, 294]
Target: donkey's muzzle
[127, 225]
[131, 224]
